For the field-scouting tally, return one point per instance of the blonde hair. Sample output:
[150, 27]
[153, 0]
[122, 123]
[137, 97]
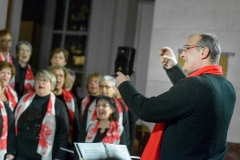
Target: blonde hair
[67, 82]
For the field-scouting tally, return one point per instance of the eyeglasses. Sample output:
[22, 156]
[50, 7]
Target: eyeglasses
[42, 80]
[59, 75]
[107, 87]
[6, 41]
[103, 105]
[93, 81]
[187, 47]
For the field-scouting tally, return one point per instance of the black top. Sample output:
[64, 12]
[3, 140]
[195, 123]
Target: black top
[76, 126]
[132, 127]
[99, 136]
[11, 144]
[19, 85]
[29, 124]
[197, 112]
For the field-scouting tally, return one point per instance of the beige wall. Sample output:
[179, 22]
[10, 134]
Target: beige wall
[174, 21]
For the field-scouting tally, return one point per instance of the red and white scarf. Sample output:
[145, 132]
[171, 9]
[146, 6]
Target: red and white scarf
[92, 115]
[8, 59]
[4, 134]
[12, 97]
[69, 100]
[48, 127]
[29, 81]
[152, 149]
[113, 134]
[122, 101]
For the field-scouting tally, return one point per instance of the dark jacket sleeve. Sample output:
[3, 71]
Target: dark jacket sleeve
[61, 135]
[11, 144]
[175, 74]
[170, 105]
[123, 138]
[76, 126]
[125, 124]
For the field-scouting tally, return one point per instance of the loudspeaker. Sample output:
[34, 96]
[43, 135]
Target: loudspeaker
[124, 60]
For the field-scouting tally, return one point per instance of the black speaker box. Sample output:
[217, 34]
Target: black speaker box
[124, 60]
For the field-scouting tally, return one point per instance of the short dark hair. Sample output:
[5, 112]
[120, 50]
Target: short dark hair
[65, 53]
[113, 105]
[3, 32]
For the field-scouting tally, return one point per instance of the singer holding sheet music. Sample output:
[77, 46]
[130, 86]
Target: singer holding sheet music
[106, 128]
[193, 116]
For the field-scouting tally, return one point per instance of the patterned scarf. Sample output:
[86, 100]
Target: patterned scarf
[8, 59]
[4, 134]
[48, 126]
[152, 149]
[29, 81]
[12, 97]
[68, 98]
[91, 116]
[113, 134]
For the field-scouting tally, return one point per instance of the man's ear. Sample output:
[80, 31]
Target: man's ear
[205, 53]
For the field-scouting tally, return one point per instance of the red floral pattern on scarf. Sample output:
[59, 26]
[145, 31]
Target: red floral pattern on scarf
[68, 98]
[12, 97]
[29, 81]
[44, 134]
[4, 134]
[113, 134]
[48, 127]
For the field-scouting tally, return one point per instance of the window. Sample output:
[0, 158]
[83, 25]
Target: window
[71, 32]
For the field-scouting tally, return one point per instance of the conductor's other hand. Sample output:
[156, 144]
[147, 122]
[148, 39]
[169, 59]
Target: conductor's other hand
[121, 78]
[167, 57]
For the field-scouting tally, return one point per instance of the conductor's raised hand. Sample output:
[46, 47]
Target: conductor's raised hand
[121, 78]
[167, 57]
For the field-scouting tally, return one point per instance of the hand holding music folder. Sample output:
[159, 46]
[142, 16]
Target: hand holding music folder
[96, 151]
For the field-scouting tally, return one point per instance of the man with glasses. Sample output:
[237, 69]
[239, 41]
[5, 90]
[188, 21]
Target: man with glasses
[193, 116]
[5, 46]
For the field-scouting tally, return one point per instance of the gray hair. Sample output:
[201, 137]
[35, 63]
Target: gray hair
[210, 41]
[111, 79]
[48, 75]
[23, 42]
[72, 73]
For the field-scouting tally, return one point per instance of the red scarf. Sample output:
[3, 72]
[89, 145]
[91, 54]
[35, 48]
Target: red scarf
[48, 126]
[8, 59]
[121, 100]
[217, 70]
[29, 81]
[152, 149]
[12, 97]
[112, 136]
[68, 98]
[91, 116]
[4, 134]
